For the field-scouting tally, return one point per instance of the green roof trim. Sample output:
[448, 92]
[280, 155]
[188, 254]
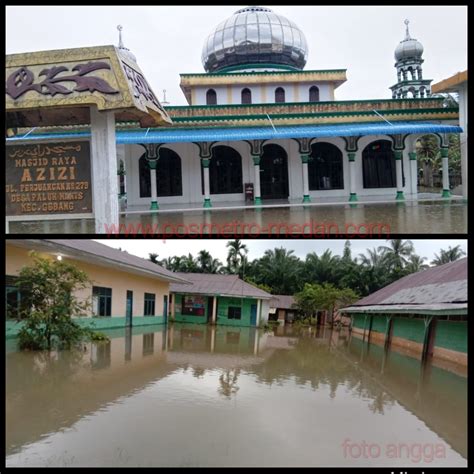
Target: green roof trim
[339, 102]
[308, 114]
[296, 71]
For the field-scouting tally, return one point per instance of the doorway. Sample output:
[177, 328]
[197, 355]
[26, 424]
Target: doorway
[129, 308]
[274, 173]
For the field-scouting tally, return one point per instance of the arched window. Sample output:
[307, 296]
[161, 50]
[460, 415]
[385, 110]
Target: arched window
[274, 172]
[280, 95]
[225, 171]
[378, 165]
[325, 167]
[211, 97]
[314, 94]
[246, 96]
[168, 175]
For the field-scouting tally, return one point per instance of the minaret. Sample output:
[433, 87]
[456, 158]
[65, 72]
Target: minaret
[409, 71]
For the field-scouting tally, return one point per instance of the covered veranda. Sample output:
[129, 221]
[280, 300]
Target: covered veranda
[400, 136]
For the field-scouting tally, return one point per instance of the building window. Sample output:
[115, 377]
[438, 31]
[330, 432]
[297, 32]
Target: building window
[234, 312]
[168, 175]
[149, 304]
[211, 97]
[378, 165]
[193, 305]
[325, 167]
[101, 301]
[246, 96]
[225, 171]
[314, 94]
[280, 95]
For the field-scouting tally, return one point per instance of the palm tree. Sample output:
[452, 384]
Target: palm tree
[427, 150]
[280, 270]
[153, 257]
[235, 257]
[397, 253]
[189, 264]
[168, 263]
[446, 256]
[207, 264]
[415, 264]
[320, 269]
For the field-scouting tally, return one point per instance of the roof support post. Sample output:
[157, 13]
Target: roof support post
[388, 332]
[304, 147]
[398, 142]
[152, 155]
[205, 153]
[429, 326]
[351, 151]
[256, 151]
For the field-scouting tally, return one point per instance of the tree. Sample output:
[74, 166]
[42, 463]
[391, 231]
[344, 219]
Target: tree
[48, 305]
[446, 256]
[396, 255]
[415, 264]
[153, 257]
[236, 254]
[207, 264]
[281, 270]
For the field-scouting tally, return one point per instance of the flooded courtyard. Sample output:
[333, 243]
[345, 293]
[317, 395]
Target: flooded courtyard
[195, 395]
[428, 217]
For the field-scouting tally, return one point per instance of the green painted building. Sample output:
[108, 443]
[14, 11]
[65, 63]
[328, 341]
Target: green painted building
[425, 313]
[218, 299]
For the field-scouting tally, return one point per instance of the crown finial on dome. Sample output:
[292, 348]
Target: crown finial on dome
[407, 36]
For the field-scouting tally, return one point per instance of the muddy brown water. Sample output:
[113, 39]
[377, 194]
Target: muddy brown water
[363, 219]
[194, 395]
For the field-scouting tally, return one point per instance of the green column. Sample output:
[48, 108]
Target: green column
[257, 195]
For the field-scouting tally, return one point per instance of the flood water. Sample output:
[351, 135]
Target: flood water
[194, 395]
[432, 217]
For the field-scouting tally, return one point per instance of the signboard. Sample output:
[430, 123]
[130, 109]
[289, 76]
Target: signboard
[193, 305]
[48, 178]
[41, 87]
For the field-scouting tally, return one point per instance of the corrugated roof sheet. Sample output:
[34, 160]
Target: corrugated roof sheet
[211, 134]
[282, 301]
[443, 284]
[215, 284]
[104, 251]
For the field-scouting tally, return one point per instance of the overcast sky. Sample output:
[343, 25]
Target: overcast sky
[217, 248]
[167, 40]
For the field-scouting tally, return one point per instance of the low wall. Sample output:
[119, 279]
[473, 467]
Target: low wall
[13, 327]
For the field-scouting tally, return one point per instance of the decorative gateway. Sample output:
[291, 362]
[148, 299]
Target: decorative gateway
[63, 88]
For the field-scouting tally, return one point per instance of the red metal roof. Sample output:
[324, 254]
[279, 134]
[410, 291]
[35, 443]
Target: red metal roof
[450, 279]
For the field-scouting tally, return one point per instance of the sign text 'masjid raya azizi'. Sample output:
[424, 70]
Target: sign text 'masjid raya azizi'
[52, 178]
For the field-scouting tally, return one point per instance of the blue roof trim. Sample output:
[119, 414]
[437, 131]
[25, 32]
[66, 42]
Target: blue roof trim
[258, 133]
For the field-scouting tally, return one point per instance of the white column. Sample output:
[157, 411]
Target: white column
[104, 170]
[257, 196]
[398, 160]
[413, 173]
[154, 193]
[207, 193]
[213, 338]
[214, 310]
[304, 161]
[259, 307]
[352, 176]
[444, 157]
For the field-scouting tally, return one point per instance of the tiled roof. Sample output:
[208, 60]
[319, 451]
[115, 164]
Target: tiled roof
[215, 284]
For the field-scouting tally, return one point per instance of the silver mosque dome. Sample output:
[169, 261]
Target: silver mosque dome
[258, 37]
[409, 48]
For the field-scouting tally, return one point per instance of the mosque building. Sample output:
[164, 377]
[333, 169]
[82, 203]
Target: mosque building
[259, 126]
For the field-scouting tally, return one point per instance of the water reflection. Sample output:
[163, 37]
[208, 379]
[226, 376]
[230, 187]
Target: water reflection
[410, 217]
[228, 382]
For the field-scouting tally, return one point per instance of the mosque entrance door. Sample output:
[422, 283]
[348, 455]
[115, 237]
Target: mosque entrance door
[274, 173]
